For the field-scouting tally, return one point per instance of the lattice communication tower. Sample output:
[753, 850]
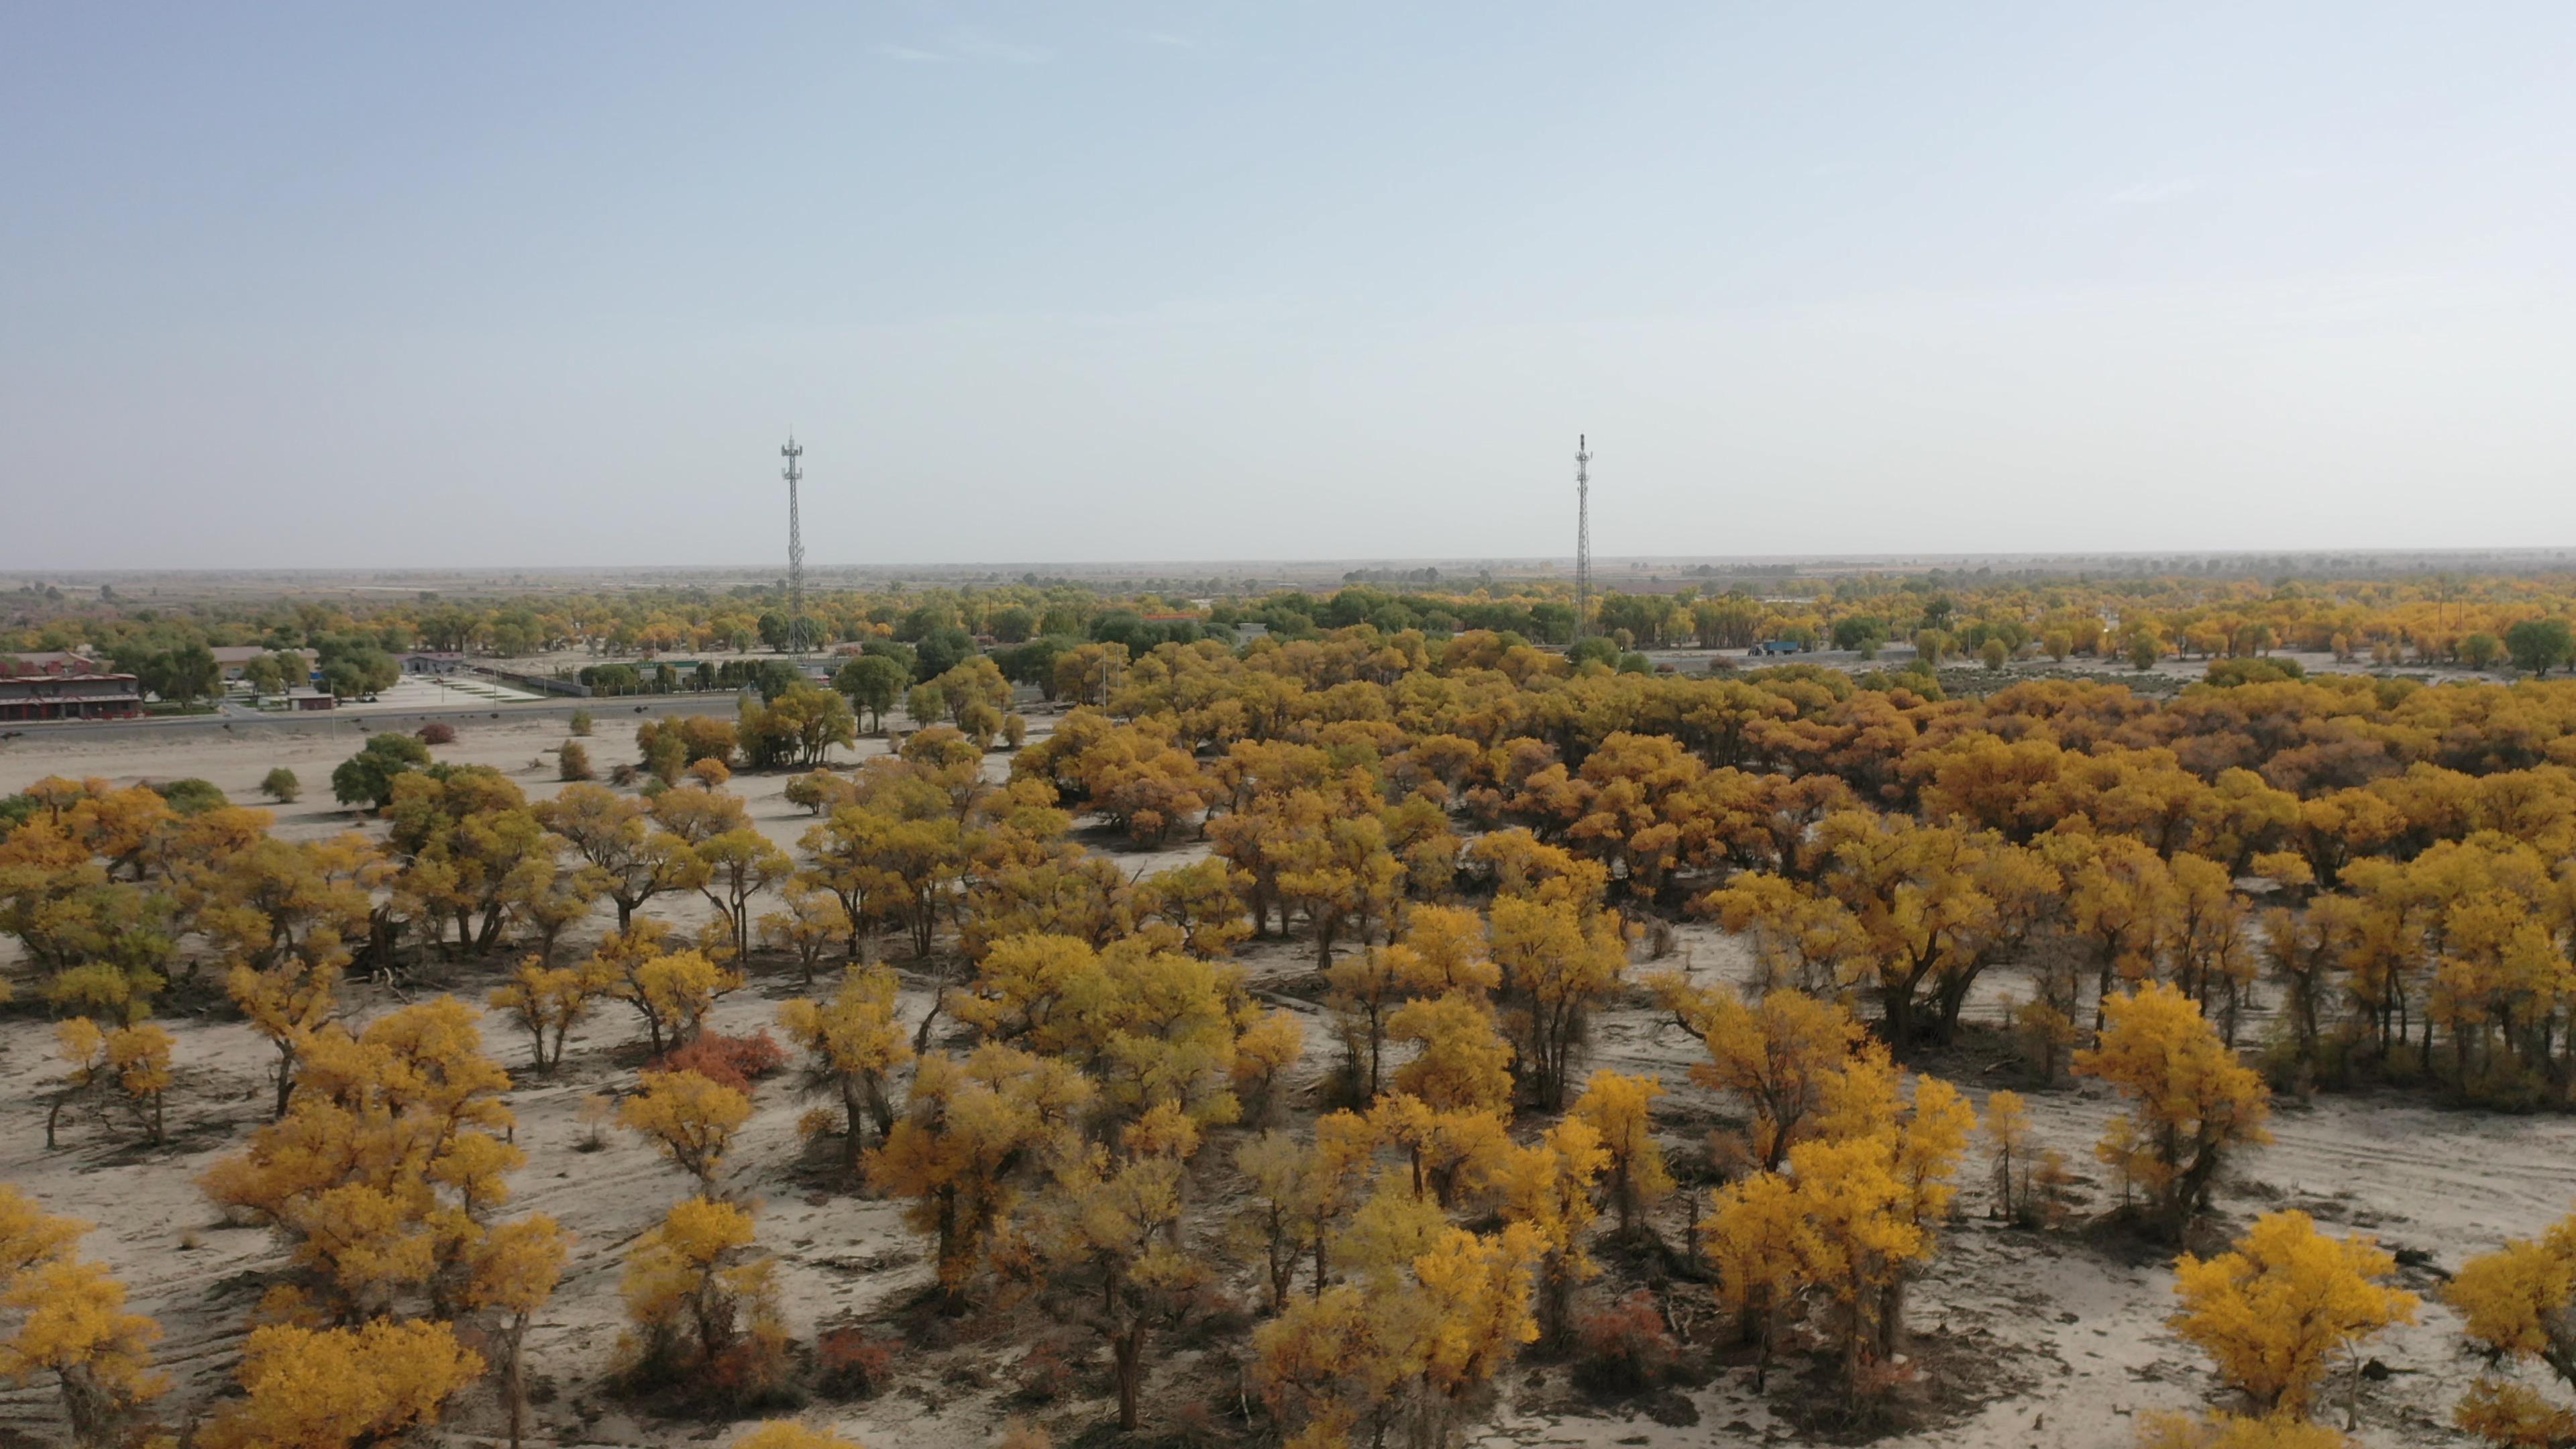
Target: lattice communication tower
[1582, 535]
[795, 474]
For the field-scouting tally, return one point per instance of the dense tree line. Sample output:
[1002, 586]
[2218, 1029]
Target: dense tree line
[2424, 621]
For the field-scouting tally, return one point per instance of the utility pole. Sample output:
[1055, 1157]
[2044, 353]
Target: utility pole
[1582, 536]
[795, 551]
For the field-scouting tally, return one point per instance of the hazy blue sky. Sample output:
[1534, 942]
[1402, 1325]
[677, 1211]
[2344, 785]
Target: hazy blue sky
[345, 285]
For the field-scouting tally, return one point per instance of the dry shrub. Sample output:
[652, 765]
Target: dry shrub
[438, 732]
[851, 1365]
[731, 1061]
[1623, 1349]
[750, 1373]
[1051, 1370]
[1196, 1424]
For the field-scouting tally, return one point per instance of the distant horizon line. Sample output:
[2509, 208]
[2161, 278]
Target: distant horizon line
[1563, 562]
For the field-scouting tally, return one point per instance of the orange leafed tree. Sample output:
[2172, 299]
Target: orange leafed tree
[71, 1325]
[1777, 1055]
[2191, 1101]
[972, 1139]
[384, 1176]
[337, 1388]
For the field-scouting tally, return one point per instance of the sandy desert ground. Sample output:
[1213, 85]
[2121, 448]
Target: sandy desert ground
[2032, 1338]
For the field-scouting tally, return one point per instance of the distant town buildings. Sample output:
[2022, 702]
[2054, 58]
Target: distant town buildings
[49, 664]
[41, 696]
[234, 658]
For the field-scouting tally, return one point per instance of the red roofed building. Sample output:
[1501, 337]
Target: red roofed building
[74, 696]
[47, 663]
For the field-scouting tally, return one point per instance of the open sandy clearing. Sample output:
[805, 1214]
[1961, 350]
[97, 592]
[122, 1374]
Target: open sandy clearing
[2057, 1338]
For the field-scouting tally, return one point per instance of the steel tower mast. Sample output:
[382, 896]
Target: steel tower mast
[795, 474]
[1582, 536]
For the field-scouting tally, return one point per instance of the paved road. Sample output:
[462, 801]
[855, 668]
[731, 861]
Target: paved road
[367, 722]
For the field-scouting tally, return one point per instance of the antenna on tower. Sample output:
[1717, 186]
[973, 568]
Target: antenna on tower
[1582, 535]
[795, 474]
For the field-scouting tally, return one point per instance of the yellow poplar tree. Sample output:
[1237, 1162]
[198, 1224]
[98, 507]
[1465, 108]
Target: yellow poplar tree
[384, 1175]
[671, 992]
[1859, 1234]
[72, 1325]
[1620, 1110]
[337, 1388]
[2229, 1431]
[1547, 1188]
[788, 1434]
[1758, 1242]
[1114, 1223]
[515, 1272]
[2008, 1157]
[83, 1049]
[1366, 988]
[1404, 1347]
[2518, 1305]
[852, 1046]
[1270, 1044]
[690, 1118]
[1279, 1219]
[2284, 1306]
[699, 1295]
[1777, 1055]
[30, 1236]
[1460, 1061]
[546, 1002]
[1557, 959]
[140, 1057]
[287, 1003]
[2191, 1101]
[972, 1137]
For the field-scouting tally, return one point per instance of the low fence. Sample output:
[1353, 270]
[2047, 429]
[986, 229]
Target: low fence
[541, 683]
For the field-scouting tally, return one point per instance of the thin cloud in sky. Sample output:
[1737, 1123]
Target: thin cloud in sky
[906, 54]
[974, 42]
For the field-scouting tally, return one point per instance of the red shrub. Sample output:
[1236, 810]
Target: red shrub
[1624, 1348]
[1047, 1372]
[851, 1365]
[734, 1061]
[748, 1374]
[437, 733]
